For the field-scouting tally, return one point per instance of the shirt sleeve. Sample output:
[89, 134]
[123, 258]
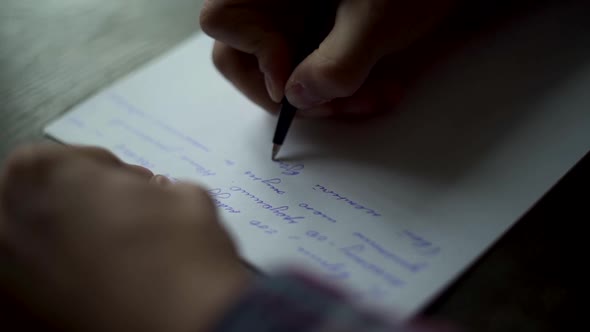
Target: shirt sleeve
[294, 302]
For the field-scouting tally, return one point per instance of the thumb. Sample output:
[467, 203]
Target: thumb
[364, 32]
[343, 61]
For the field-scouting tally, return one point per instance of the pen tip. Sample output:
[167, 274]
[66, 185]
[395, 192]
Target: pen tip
[275, 151]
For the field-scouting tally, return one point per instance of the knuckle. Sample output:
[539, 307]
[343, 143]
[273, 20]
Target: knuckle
[97, 154]
[33, 165]
[97, 151]
[341, 78]
[25, 171]
[211, 17]
[242, 28]
[24, 159]
[222, 59]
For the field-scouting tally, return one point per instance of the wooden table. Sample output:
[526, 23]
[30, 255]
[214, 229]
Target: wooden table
[55, 53]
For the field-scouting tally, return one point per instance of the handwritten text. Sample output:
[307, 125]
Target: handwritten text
[412, 267]
[263, 227]
[337, 270]
[140, 134]
[132, 109]
[353, 253]
[270, 183]
[346, 200]
[197, 167]
[290, 169]
[216, 195]
[423, 246]
[277, 211]
[317, 212]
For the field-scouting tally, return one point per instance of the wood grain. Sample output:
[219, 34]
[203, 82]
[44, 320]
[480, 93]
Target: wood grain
[55, 53]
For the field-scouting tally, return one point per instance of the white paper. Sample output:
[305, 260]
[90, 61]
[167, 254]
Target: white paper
[393, 209]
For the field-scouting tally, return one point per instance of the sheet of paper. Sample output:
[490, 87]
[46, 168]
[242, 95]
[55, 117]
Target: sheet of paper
[393, 209]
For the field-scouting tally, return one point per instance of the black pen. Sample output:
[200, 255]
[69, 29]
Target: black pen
[286, 116]
[316, 28]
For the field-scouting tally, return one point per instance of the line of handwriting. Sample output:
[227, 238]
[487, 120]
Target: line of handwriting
[263, 227]
[354, 252]
[126, 105]
[75, 121]
[346, 200]
[335, 270]
[200, 169]
[80, 124]
[280, 211]
[316, 212]
[290, 169]
[270, 183]
[217, 195]
[140, 134]
[392, 257]
[316, 235]
[422, 246]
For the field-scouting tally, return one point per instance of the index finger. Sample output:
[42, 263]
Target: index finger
[256, 28]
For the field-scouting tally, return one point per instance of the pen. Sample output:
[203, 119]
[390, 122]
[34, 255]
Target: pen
[314, 31]
[286, 116]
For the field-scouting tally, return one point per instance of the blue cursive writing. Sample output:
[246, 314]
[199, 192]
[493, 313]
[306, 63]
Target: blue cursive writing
[348, 201]
[216, 195]
[134, 110]
[140, 134]
[270, 183]
[412, 267]
[421, 245]
[265, 228]
[336, 270]
[317, 212]
[290, 169]
[353, 254]
[198, 167]
[277, 211]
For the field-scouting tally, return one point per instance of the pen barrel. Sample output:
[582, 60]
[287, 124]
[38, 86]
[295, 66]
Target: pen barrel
[285, 118]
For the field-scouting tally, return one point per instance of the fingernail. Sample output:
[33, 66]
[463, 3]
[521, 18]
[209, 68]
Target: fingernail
[160, 180]
[303, 98]
[275, 94]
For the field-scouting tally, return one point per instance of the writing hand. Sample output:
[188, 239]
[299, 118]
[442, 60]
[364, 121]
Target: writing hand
[358, 68]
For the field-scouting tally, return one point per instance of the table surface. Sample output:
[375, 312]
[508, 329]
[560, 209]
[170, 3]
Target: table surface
[55, 53]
